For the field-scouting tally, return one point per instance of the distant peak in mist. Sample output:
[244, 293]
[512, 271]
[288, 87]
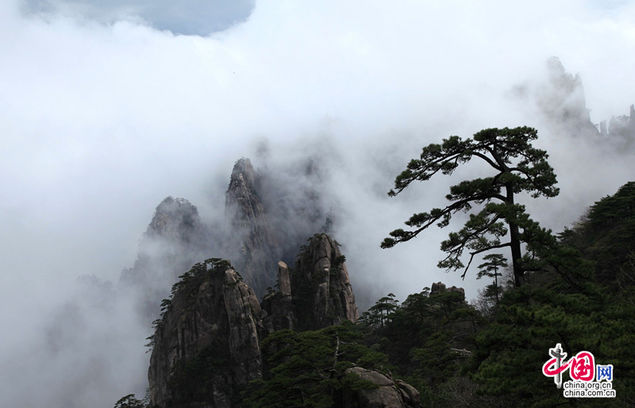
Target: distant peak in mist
[561, 100]
[175, 217]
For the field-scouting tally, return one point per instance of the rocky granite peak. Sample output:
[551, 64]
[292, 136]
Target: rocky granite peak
[278, 304]
[563, 100]
[258, 250]
[320, 286]
[316, 293]
[242, 196]
[175, 219]
[209, 344]
[206, 344]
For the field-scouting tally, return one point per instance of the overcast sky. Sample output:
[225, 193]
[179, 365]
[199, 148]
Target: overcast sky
[201, 17]
[105, 110]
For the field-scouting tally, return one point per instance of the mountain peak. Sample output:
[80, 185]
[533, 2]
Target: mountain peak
[246, 212]
[174, 218]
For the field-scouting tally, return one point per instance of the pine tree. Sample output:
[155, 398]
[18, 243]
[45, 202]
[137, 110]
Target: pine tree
[518, 167]
[490, 269]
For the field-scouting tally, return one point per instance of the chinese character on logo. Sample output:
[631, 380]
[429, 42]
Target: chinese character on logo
[582, 366]
[586, 376]
[554, 368]
[604, 372]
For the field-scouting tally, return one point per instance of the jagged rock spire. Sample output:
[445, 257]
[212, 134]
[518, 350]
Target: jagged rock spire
[242, 198]
[321, 289]
[316, 293]
[259, 249]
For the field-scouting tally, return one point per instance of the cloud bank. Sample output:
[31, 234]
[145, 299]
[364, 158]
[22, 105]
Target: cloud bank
[101, 118]
[189, 17]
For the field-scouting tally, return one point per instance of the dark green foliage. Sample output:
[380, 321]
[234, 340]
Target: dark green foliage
[186, 286]
[129, 401]
[578, 290]
[489, 268]
[339, 260]
[428, 338]
[574, 301]
[606, 235]
[306, 369]
[518, 167]
[191, 379]
[530, 320]
[423, 317]
[381, 313]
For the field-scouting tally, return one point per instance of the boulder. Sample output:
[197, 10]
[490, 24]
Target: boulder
[387, 393]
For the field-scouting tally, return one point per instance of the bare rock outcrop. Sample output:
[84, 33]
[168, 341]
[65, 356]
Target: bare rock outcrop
[279, 304]
[439, 287]
[206, 345]
[320, 287]
[316, 293]
[258, 246]
[388, 393]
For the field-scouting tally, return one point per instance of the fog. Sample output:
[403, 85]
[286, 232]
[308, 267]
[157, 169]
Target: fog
[104, 114]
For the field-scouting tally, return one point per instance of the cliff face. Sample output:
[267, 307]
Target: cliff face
[316, 293]
[267, 216]
[321, 290]
[259, 250]
[279, 304]
[206, 345]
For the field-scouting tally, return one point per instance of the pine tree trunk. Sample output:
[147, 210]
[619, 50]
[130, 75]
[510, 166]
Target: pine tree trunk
[514, 242]
[496, 284]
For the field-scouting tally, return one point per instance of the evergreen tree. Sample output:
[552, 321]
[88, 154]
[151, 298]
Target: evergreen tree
[129, 401]
[574, 301]
[490, 270]
[518, 167]
[307, 369]
[380, 313]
